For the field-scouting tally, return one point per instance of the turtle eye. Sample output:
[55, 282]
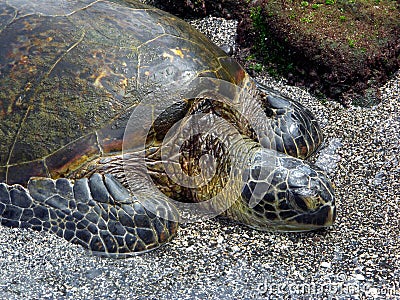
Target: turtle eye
[304, 199]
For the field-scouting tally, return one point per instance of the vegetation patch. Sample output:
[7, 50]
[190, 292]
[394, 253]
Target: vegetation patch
[340, 49]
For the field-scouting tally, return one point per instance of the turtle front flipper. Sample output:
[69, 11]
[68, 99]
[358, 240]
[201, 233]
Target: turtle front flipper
[295, 130]
[97, 213]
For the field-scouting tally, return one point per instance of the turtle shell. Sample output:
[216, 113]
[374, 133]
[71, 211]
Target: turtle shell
[71, 73]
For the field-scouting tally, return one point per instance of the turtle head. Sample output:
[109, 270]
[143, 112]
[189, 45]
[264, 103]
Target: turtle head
[282, 193]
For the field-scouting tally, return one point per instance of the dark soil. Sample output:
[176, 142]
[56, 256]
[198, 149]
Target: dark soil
[200, 8]
[339, 49]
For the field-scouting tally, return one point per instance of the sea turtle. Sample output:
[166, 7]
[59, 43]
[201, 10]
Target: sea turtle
[72, 75]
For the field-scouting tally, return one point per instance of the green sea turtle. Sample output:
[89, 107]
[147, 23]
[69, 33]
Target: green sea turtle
[84, 90]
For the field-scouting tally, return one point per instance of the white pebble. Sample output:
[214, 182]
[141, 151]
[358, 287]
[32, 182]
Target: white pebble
[326, 264]
[359, 277]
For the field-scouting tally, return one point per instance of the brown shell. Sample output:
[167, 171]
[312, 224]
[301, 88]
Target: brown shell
[72, 72]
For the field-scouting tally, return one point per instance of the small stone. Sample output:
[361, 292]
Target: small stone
[190, 248]
[235, 248]
[326, 264]
[373, 291]
[359, 277]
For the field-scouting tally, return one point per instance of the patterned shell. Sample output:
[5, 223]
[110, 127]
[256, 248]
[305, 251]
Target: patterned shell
[71, 72]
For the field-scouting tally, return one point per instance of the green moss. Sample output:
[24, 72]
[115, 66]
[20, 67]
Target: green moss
[307, 19]
[316, 5]
[304, 3]
[258, 67]
[352, 43]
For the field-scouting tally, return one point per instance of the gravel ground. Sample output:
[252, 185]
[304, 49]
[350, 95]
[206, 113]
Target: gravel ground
[355, 259]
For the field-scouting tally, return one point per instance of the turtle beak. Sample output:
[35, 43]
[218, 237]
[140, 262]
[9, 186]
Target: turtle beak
[323, 217]
[331, 216]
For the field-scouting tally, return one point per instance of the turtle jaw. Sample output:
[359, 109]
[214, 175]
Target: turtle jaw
[300, 222]
[322, 218]
[309, 221]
